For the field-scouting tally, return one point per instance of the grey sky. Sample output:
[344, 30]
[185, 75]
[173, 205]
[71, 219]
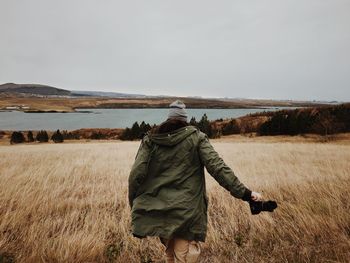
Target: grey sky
[279, 49]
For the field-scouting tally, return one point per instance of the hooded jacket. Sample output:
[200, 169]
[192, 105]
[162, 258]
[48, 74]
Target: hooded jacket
[167, 193]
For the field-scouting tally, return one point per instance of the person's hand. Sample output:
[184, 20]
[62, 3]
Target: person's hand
[256, 196]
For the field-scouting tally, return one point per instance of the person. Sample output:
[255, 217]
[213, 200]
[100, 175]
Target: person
[167, 192]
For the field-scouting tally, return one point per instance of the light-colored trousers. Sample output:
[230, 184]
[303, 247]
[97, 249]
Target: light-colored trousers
[181, 251]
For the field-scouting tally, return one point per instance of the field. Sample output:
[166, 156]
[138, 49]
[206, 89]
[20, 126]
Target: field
[68, 203]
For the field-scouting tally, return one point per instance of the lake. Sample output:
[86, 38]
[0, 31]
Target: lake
[105, 118]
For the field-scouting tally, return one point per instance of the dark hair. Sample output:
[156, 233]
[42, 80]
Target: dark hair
[169, 125]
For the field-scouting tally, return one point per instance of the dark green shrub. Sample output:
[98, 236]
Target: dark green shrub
[231, 127]
[30, 137]
[144, 128]
[193, 122]
[57, 137]
[205, 126]
[42, 136]
[70, 135]
[17, 137]
[97, 136]
[136, 131]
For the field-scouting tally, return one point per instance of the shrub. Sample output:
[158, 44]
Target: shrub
[97, 136]
[17, 137]
[230, 128]
[136, 131]
[57, 137]
[193, 122]
[144, 128]
[70, 135]
[42, 136]
[126, 134]
[210, 129]
[30, 137]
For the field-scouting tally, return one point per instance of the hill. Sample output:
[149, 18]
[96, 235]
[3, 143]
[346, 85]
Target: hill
[61, 100]
[33, 89]
[323, 120]
[83, 93]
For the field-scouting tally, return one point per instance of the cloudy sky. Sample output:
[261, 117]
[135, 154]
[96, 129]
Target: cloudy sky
[279, 49]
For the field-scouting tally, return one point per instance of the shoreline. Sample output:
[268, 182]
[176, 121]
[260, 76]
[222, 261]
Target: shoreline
[87, 109]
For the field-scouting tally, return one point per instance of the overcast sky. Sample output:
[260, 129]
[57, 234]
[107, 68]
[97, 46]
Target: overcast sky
[279, 49]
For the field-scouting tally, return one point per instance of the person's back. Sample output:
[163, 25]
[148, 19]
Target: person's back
[167, 187]
[171, 200]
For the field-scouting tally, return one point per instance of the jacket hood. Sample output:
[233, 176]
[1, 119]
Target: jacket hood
[172, 138]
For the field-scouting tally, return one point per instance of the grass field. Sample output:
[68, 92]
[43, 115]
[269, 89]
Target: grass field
[68, 203]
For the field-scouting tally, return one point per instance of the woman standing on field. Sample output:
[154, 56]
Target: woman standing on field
[167, 192]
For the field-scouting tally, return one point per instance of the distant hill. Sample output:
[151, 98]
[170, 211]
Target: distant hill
[33, 89]
[56, 99]
[84, 93]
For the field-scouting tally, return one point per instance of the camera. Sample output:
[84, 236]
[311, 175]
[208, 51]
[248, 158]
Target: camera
[259, 206]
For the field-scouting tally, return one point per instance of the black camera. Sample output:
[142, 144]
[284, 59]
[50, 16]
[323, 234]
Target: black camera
[258, 206]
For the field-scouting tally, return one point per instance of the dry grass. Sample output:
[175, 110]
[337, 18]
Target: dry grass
[339, 138]
[68, 203]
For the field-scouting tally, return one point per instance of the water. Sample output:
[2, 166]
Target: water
[105, 118]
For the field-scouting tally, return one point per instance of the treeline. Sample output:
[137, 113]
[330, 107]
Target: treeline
[60, 136]
[137, 131]
[206, 126]
[322, 120]
[41, 136]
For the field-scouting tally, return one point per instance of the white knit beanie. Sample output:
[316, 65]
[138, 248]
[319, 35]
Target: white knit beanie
[177, 111]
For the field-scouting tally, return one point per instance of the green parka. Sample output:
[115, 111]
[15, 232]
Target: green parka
[167, 184]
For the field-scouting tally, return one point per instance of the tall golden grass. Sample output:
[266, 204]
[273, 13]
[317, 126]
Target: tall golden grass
[68, 203]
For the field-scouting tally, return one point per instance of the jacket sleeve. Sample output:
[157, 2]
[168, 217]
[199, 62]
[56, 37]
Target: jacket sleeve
[138, 171]
[217, 168]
